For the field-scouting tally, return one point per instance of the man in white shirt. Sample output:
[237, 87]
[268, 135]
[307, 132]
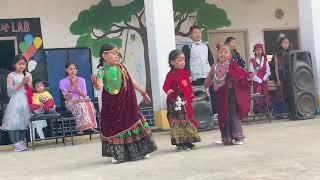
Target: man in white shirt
[199, 60]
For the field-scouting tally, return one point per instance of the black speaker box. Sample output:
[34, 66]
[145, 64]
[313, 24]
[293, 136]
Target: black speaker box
[300, 85]
[202, 110]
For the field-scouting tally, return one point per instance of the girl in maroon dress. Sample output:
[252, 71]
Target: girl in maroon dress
[183, 128]
[125, 133]
[260, 67]
[231, 84]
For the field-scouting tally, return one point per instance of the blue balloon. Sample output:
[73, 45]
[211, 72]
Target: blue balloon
[28, 39]
[37, 56]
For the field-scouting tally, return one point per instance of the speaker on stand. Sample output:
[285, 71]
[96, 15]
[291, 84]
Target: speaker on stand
[202, 110]
[300, 85]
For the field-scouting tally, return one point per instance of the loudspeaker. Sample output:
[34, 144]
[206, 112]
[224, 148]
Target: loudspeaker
[300, 85]
[202, 111]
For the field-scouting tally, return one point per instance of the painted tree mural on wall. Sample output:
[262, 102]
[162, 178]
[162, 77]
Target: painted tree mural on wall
[104, 23]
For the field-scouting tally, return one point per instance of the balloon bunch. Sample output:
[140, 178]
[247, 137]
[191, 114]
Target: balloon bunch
[29, 48]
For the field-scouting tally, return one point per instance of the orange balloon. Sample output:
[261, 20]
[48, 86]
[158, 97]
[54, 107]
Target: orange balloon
[32, 50]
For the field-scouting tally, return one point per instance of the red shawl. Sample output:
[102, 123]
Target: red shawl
[238, 77]
[29, 93]
[180, 79]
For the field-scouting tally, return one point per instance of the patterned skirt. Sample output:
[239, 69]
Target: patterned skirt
[131, 144]
[181, 129]
[84, 114]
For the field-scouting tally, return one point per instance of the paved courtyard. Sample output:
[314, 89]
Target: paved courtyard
[279, 150]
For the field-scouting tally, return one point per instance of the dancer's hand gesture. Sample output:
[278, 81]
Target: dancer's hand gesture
[146, 98]
[169, 92]
[94, 79]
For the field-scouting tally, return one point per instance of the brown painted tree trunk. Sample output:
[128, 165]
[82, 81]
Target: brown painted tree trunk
[144, 38]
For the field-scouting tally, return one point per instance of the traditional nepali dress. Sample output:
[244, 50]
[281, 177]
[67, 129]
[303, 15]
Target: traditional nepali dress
[81, 108]
[260, 82]
[232, 92]
[182, 125]
[124, 131]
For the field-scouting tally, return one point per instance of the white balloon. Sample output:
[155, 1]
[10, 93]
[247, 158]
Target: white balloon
[32, 65]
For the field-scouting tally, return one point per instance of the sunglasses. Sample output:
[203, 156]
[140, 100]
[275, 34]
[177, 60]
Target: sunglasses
[114, 51]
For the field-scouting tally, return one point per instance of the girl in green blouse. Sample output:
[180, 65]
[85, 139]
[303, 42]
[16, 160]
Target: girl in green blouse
[125, 133]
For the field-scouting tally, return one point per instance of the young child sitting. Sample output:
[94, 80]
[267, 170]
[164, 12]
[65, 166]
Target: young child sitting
[42, 101]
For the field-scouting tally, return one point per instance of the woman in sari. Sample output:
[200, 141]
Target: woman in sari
[279, 100]
[77, 102]
[125, 133]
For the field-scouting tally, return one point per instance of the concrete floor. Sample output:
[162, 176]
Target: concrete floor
[280, 150]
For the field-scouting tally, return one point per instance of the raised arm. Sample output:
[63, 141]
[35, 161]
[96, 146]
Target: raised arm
[82, 87]
[28, 79]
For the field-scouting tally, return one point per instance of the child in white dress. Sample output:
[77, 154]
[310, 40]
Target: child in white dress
[17, 114]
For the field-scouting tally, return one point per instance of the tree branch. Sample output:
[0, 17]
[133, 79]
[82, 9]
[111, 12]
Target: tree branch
[178, 26]
[136, 15]
[121, 27]
[120, 34]
[132, 27]
[139, 17]
[195, 23]
[177, 16]
[182, 34]
[94, 34]
[141, 14]
[119, 30]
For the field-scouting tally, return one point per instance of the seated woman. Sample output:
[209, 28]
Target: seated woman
[77, 102]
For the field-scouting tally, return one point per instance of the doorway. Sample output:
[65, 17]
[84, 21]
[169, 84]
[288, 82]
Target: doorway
[220, 36]
[8, 49]
[271, 45]
[271, 36]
